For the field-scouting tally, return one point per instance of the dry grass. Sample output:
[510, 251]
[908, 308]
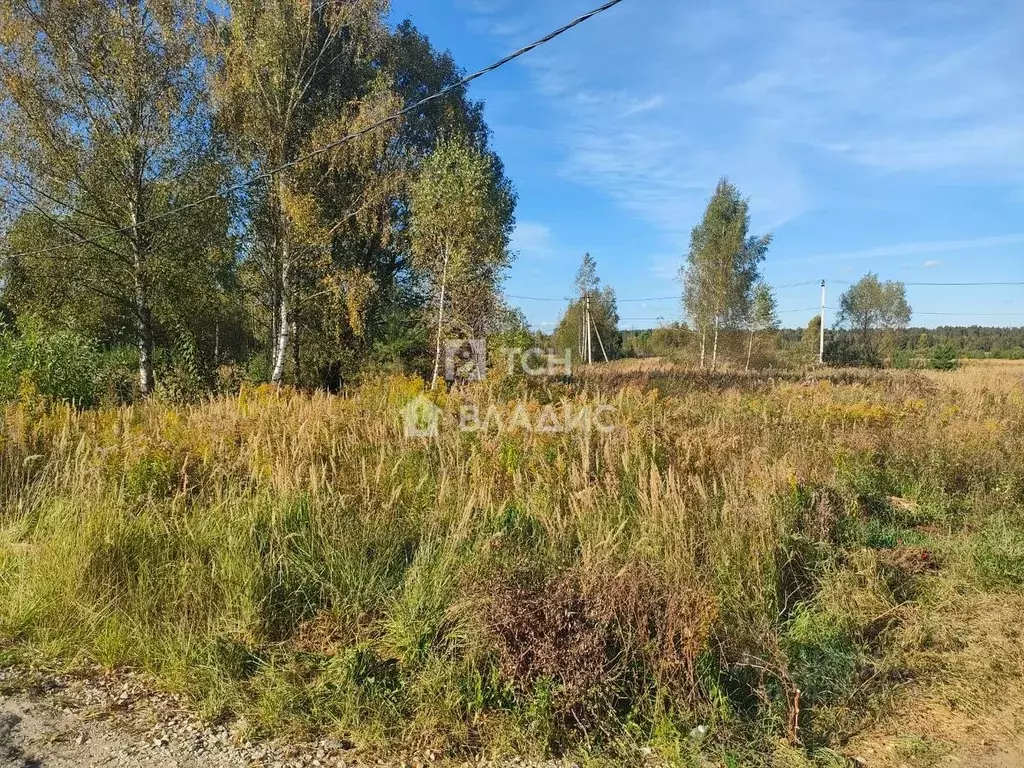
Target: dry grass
[740, 552]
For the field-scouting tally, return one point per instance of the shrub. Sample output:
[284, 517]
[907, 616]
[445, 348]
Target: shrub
[56, 363]
[944, 358]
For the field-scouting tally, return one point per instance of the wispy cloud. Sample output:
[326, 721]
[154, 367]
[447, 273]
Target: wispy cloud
[645, 105]
[789, 98]
[932, 263]
[533, 240]
[918, 249]
[665, 268]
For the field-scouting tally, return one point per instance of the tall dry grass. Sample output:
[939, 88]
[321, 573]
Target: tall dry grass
[295, 559]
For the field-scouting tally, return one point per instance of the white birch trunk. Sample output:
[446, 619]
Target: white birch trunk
[750, 349]
[703, 347]
[283, 320]
[283, 326]
[144, 319]
[440, 319]
[714, 353]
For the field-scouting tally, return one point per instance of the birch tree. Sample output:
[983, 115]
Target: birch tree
[722, 265]
[102, 129]
[291, 76]
[462, 221]
[763, 314]
[604, 316]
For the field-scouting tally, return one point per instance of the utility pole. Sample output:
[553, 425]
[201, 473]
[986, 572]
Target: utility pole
[590, 348]
[579, 341]
[821, 342]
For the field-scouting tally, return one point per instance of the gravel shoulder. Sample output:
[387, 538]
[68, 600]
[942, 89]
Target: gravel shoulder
[57, 720]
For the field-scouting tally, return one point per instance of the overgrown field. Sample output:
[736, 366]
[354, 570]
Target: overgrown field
[749, 555]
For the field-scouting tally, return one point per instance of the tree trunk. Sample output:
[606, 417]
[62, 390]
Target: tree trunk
[714, 354]
[283, 319]
[143, 312]
[296, 358]
[440, 320]
[283, 324]
[145, 337]
[750, 349]
[703, 346]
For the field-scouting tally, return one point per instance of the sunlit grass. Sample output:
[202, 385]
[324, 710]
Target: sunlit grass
[735, 540]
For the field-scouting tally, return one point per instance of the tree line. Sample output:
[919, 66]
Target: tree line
[165, 198]
[728, 303]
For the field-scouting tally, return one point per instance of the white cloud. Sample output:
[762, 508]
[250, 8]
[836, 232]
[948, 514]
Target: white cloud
[917, 87]
[646, 105]
[533, 240]
[932, 263]
[780, 95]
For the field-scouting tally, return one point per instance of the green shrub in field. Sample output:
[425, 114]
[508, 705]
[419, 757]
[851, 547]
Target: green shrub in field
[822, 653]
[944, 358]
[55, 363]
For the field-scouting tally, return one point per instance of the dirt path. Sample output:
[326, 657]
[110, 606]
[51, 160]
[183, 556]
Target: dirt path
[113, 720]
[967, 709]
[101, 720]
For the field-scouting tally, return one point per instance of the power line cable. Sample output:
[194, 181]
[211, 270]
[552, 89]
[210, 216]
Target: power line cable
[270, 173]
[945, 285]
[969, 314]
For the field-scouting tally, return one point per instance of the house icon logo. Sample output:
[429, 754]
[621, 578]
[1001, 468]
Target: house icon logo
[420, 418]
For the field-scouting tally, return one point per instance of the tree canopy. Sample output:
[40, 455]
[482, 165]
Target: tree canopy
[114, 115]
[722, 266]
[872, 309]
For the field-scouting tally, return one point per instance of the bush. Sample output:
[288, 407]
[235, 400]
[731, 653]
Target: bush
[944, 358]
[844, 351]
[57, 364]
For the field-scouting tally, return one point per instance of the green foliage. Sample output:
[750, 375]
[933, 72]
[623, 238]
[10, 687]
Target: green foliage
[872, 310]
[570, 333]
[846, 351]
[944, 358]
[462, 221]
[671, 340]
[311, 277]
[58, 364]
[723, 262]
[85, 177]
[822, 652]
[999, 554]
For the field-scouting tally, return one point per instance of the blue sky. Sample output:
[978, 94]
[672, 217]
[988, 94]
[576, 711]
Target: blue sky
[883, 135]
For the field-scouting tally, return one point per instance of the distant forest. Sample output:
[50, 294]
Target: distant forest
[793, 343]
